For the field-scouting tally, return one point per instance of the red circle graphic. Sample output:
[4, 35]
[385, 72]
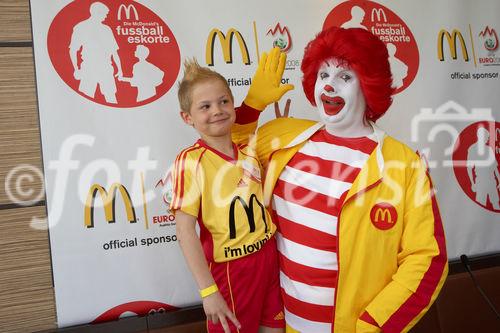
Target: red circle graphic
[392, 30]
[140, 308]
[115, 53]
[476, 160]
[383, 216]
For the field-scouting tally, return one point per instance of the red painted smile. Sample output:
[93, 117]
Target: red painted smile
[332, 105]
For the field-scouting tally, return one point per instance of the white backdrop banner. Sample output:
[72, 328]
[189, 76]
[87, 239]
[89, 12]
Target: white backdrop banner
[106, 79]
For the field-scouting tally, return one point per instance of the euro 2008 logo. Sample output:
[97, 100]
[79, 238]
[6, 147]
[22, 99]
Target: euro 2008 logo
[115, 53]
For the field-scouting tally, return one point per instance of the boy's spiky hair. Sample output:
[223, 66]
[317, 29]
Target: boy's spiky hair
[194, 74]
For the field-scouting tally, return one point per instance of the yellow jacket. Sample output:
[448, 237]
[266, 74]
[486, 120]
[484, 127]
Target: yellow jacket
[395, 273]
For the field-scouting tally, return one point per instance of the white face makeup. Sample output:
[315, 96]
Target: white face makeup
[338, 96]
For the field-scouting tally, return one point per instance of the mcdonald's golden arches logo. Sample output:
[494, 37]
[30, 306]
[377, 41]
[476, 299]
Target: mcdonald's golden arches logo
[127, 10]
[109, 203]
[380, 13]
[383, 216]
[226, 42]
[249, 211]
[453, 39]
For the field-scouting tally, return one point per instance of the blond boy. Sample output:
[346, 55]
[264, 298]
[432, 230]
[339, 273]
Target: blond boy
[217, 184]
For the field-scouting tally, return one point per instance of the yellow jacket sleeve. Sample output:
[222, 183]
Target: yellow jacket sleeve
[422, 259]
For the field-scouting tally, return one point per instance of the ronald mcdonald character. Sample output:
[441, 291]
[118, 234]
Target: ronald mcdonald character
[361, 242]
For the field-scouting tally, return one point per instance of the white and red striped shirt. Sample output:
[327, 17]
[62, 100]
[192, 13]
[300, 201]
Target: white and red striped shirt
[306, 201]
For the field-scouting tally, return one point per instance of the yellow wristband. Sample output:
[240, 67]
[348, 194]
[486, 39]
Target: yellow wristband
[209, 291]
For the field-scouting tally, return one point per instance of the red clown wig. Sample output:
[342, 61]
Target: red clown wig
[363, 53]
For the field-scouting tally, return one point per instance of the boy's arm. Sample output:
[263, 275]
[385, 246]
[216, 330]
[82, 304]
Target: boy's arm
[214, 305]
[266, 88]
[186, 200]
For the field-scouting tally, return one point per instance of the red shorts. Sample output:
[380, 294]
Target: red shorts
[251, 287]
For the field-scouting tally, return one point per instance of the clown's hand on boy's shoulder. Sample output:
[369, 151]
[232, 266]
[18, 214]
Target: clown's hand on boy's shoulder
[266, 87]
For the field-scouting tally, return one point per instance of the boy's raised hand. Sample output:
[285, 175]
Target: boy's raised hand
[266, 87]
[217, 310]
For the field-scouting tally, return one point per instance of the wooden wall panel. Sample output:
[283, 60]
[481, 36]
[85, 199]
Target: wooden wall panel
[28, 310]
[26, 293]
[15, 20]
[19, 127]
[15, 226]
[25, 255]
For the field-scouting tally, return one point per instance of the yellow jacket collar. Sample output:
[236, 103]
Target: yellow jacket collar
[305, 135]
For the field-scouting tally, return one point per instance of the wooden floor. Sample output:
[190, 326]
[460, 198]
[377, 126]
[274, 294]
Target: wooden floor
[459, 309]
[188, 320]
[199, 327]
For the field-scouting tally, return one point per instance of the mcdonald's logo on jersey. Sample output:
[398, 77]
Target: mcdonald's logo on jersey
[249, 211]
[226, 42]
[383, 216]
[127, 9]
[452, 39]
[109, 203]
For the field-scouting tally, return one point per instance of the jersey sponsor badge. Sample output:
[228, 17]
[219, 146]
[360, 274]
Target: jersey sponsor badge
[251, 170]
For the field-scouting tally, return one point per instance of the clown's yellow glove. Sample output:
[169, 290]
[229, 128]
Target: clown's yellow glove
[266, 87]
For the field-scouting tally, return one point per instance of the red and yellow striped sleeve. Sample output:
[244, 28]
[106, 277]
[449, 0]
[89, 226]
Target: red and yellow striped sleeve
[422, 260]
[186, 194]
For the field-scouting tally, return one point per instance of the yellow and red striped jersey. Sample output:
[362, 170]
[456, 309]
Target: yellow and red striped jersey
[226, 197]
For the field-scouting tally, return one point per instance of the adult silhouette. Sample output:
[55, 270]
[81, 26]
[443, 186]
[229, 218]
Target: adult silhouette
[97, 46]
[484, 177]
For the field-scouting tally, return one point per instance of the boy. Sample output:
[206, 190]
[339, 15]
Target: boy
[234, 261]
[145, 76]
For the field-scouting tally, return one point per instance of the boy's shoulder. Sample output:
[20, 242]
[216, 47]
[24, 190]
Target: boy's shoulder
[192, 152]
